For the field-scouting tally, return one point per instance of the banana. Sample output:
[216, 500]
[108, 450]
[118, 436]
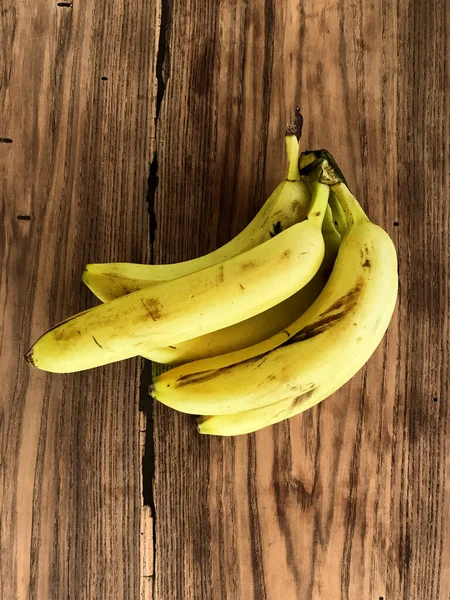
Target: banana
[257, 328]
[287, 205]
[250, 389]
[261, 326]
[173, 311]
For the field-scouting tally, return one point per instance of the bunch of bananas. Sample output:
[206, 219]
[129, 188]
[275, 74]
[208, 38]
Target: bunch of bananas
[261, 329]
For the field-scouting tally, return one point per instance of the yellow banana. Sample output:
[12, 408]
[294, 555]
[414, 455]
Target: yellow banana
[303, 364]
[262, 325]
[180, 309]
[287, 205]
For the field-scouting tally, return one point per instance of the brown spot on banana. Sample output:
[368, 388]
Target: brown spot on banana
[302, 397]
[153, 307]
[276, 229]
[287, 412]
[315, 328]
[349, 298]
[220, 275]
[98, 344]
[248, 265]
[268, 379]
[364, 252]
[202, 376]
[296, 205]
[329, 317]
[366, 264]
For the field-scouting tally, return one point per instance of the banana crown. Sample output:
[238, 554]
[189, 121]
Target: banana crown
[281, 316]
[320, 166]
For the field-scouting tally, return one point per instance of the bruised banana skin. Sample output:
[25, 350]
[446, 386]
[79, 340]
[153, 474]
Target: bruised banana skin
[261, 326]
[287, 205]
[181, 309]
[247, 390]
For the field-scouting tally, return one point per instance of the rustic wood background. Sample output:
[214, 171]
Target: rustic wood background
[125, 122]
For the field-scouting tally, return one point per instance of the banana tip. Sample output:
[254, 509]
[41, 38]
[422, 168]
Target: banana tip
[29, 358]
[200, 420]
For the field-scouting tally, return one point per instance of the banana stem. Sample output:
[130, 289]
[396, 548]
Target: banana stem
[320, 165]
[338, 213]
[320, 193]
[328, 224]
[353, 211]
[292, 151]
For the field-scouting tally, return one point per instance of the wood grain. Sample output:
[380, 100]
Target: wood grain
[77, 99]
[349, 500]
[104, 106]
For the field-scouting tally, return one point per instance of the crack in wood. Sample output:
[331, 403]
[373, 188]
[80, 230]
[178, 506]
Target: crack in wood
[146, 404]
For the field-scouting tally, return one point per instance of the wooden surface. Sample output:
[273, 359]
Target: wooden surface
[78, 168]
[349, 500]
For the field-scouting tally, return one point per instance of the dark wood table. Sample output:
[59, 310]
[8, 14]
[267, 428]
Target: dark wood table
[153, 131]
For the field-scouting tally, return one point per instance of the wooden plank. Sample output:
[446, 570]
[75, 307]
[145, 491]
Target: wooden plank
[77, 99]
[350, 499]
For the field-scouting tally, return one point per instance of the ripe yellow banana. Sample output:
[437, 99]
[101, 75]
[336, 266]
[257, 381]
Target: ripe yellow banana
[302, 365]
[257, 328]
[287, 205]
[180, 309]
